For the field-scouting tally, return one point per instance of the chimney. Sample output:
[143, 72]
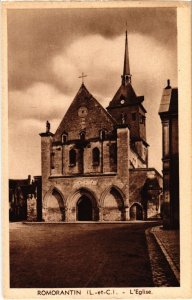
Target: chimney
[29, 179]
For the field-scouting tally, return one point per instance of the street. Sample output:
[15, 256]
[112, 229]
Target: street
[80, 255]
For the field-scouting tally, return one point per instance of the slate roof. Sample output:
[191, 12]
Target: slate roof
[127, 93]
[126, 67]
[169, 101]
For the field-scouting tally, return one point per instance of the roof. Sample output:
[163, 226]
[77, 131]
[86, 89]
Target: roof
[126, 68]
[169, 101]
[126, 93]
[96, 117]
[147, 170]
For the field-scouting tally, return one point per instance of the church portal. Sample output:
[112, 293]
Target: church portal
[84, 209]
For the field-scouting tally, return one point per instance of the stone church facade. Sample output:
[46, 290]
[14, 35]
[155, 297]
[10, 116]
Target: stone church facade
[95, 166]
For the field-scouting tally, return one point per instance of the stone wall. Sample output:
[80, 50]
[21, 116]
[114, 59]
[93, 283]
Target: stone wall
[71, 189]
[97, 181]
[93, 183]
[61, 165]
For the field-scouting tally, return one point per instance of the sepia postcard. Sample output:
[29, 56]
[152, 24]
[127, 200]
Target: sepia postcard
[96, 132]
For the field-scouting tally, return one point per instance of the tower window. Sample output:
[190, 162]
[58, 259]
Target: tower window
[123, 118]
[133, 116]
[82, 135]
[64, 138]
[72, 157]
[102, 134]
[95, 156]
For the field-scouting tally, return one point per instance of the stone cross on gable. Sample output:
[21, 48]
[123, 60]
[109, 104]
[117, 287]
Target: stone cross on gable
[82, 76]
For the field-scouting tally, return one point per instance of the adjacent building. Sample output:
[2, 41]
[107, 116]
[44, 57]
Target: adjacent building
[169, 117]
[25, 199]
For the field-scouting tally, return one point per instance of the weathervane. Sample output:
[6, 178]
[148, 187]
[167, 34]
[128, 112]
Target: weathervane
[82, 76]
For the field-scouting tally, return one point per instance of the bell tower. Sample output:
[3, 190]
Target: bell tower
[127, 108]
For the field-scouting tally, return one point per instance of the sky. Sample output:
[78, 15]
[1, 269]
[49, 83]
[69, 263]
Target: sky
[48, 49]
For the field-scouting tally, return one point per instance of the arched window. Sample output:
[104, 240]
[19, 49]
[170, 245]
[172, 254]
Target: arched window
[64, 138]
[82, 135]
[96, 156]
[72, 157]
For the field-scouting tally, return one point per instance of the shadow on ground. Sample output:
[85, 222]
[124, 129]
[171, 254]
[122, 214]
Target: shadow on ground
[79, 255]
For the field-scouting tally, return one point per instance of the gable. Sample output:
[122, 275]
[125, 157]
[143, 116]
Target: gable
[84, 114]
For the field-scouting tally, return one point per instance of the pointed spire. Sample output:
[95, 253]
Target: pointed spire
[126, 69]
[126, 77]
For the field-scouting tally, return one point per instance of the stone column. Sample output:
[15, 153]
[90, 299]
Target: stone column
[127, 214]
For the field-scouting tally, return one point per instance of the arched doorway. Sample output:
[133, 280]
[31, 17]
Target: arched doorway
[136, 212]
[113, 207]
[55, 207]
[84, 209]
[82, 205]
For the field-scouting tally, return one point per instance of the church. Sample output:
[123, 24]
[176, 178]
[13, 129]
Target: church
[95, 166]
